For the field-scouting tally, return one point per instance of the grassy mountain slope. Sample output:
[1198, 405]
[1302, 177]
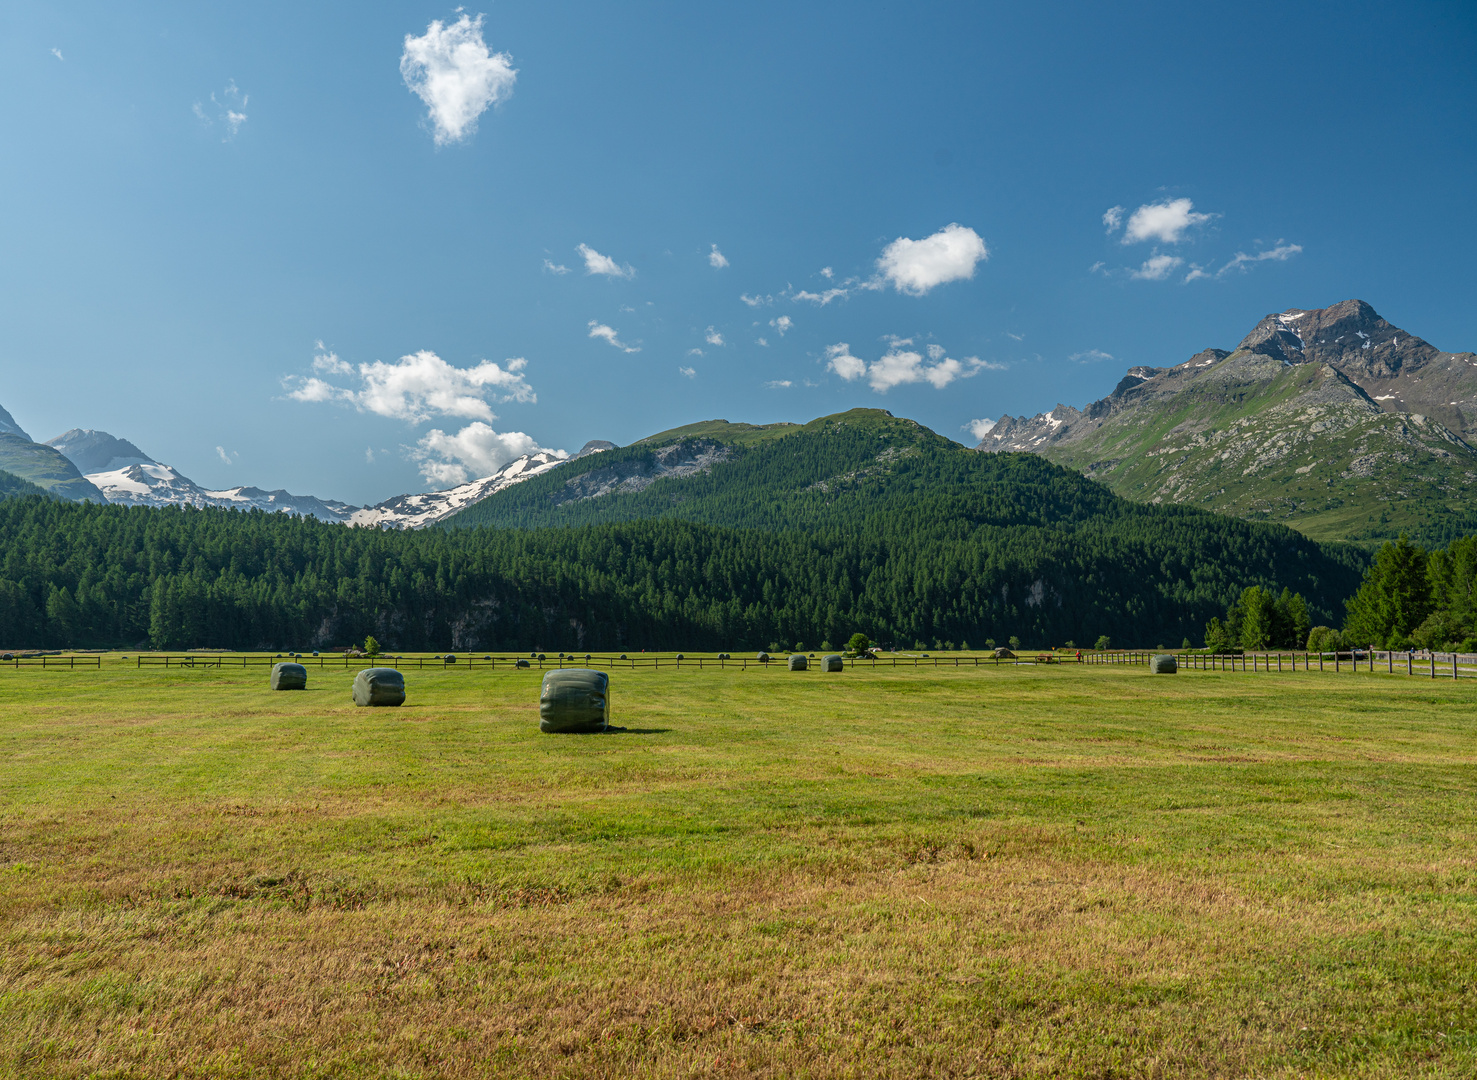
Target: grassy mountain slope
[1331, 421]
[12, 486]
[46, 467]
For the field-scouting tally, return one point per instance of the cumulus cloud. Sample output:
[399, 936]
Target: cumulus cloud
[1113, 217]
[782, 324]
[1090, 356]
[916, 266]
[980, 428]
[713, 337]
[691, 373]
[901, 364]
[762, 341]
[1157, 267]
[1166, 222]
[716, 259]
[1240, 261]
[596, 263]
[227, 110]
[756, 301]
[608, 333]
[416, 387]
[555, 268]
[446, 460]
[451, 69]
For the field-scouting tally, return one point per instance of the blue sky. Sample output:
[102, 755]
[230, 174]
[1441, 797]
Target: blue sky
[206, 208]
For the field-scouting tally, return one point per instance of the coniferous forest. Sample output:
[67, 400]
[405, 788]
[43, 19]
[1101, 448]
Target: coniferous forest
[985, 546]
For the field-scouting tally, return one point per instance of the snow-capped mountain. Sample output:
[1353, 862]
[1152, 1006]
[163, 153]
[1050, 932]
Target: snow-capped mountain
[418, 511]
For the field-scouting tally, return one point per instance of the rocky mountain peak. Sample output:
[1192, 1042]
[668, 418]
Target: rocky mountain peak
[8, 426]
[97, 451]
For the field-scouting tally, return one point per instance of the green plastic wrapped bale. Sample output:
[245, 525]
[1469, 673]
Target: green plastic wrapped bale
[832, 663]
[289, 677]
[1163, 664]
[379, 686]
[574, 701]
[798, 662]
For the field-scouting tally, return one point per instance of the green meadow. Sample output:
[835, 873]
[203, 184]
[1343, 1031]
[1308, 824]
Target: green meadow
[1062, 871]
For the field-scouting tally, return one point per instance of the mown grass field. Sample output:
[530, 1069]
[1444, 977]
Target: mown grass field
[1063, 871]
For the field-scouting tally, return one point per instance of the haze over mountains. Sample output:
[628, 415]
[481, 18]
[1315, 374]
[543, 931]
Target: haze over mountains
[1329, 420]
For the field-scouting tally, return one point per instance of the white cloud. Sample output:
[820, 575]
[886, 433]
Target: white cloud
[827, 273]
[607, 333]
[778, 384]
[329, 363]
[691, 373]
[1196, 273]
[58, 54]
[555, 268]
[900, 365]
[916, 266]
[596, 263]
[716, 259]
[1157, 268]
[1113, 217]
[1165, 222]
[225, 110]
[417, 387]
[451, 69]
[980, 428]
[762, 341]
[476, 450]
[369, 455]
[696, 352]
[1015, 337]
[221, 453]
[713, 337]
[782, 324]
[822, 298]
[756, 301]
[1090, 356]
[1281, 253]
[1098, 267]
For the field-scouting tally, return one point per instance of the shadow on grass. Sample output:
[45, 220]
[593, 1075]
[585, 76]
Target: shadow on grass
[613, 730]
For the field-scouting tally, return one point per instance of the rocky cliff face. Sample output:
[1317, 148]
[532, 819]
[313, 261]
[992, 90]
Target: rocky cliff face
[1331, 420]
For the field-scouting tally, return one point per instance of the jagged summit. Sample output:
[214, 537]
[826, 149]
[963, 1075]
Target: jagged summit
[97, 451]
[1330, 419]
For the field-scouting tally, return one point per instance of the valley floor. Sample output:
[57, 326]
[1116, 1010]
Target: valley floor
[1061, 871]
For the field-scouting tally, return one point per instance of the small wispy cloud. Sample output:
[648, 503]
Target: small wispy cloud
[1090, 356]
[226, 109]
[596, 263]
[762, 341]
[221, 453]
[1015, 337]
[756, 301]
[1113, 217]
[608, 333]
[696, 352]
[555, 268]
[690, 373]
[369, 455]
[782, 324]
[716, 259]
[1242, 261]
[452, 70]
[821, 298]
[1157, 267]
[713, 337]
[58, 54]
[778, 384]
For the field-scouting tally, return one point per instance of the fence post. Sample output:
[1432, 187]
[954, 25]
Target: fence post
[1433, 665]
[1453, 667]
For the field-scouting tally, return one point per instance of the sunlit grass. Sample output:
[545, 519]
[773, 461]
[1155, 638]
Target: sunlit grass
[1059, 871]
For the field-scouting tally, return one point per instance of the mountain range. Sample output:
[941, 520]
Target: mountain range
[1330, 420]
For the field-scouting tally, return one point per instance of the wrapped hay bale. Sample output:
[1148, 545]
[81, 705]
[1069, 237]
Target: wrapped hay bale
[1004, 654]
[1163, 664]
[524, 663]
[289, 677]
[379, 686]
[574, 701]
[798, 662]
[832, 663]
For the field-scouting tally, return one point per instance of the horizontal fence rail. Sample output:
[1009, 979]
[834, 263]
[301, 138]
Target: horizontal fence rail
[1434, 665]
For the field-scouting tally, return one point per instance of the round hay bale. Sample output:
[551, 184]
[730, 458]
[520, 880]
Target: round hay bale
[798, 662]
[289, 677]
[575, 701]
[1163, 664]
[763, 658]
[378, 686]
[832, 662]
[450, 658]
[522, 664]
[1004, 654]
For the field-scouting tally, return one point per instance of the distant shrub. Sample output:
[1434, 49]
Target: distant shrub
[1325, 639]
[1015, 642]
[371, 647]
[1103, 643]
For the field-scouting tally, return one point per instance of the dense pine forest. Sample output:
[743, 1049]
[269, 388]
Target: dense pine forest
[930, 545]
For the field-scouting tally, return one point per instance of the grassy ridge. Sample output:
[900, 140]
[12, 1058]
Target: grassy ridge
[1030, 872]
